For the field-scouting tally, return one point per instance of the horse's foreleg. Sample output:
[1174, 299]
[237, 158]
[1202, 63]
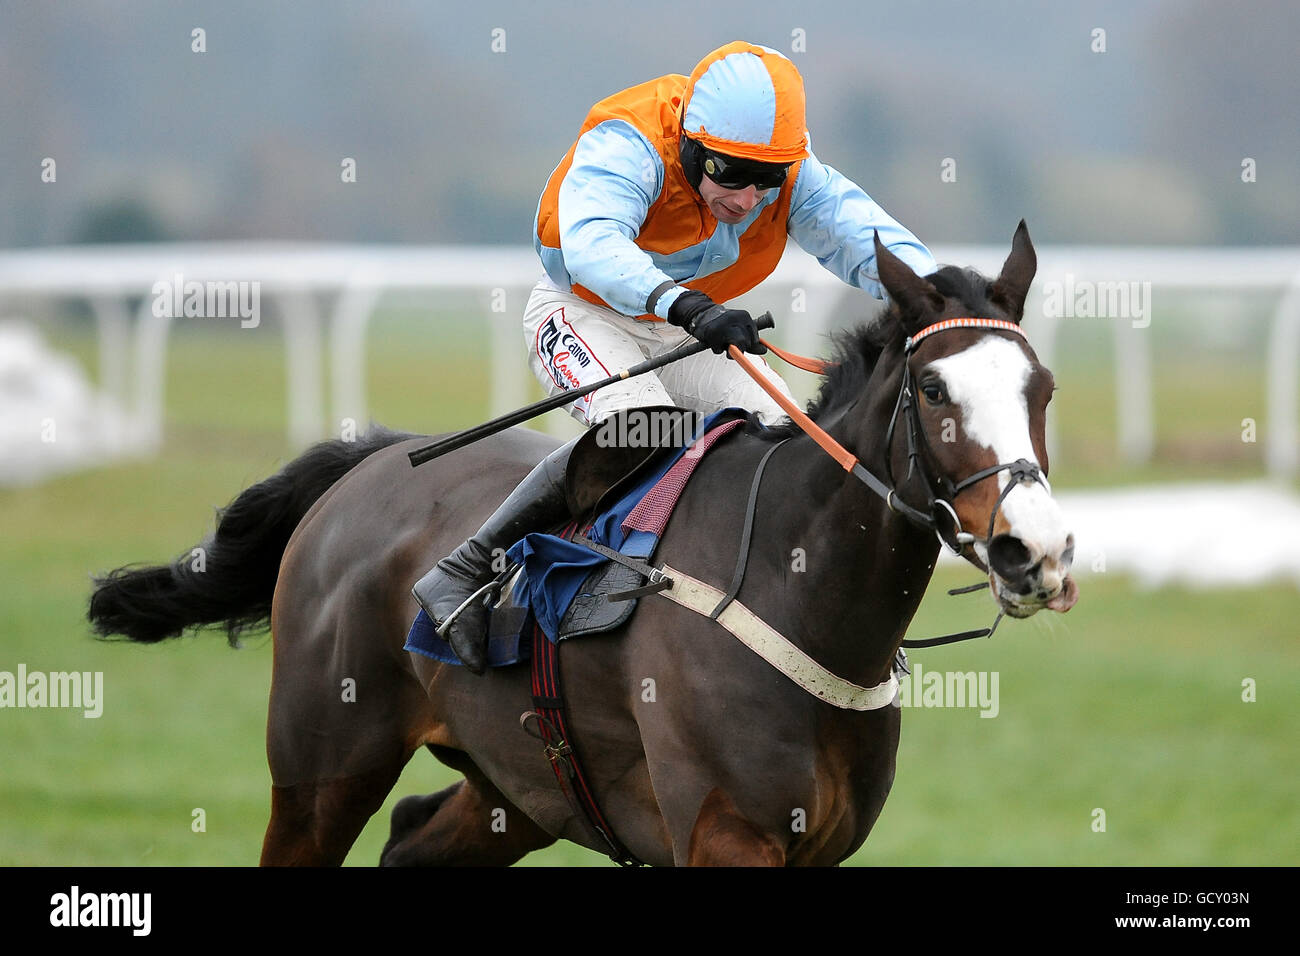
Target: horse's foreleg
[723, 837]
[469, 824]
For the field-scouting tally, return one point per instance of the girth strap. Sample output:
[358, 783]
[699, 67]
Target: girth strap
[655, 576]
[548, 698]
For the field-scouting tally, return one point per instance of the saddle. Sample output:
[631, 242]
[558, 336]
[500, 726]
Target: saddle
[587, 577]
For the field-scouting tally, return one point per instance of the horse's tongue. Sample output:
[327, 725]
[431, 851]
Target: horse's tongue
[1065, 600]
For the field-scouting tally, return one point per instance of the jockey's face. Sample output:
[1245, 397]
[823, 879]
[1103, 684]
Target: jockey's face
[729, 205]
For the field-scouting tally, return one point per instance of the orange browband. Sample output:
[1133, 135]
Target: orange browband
[962, 322]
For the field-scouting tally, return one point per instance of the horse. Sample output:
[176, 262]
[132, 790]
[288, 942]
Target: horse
[726, 761]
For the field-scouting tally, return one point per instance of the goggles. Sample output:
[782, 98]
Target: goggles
[731, 173]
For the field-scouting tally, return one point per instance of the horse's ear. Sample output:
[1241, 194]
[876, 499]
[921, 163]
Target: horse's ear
[919, 302]
[1012, 285]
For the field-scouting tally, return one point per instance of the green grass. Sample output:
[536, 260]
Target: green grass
[1130, 703]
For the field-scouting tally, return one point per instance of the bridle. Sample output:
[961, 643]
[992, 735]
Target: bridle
[940, 513]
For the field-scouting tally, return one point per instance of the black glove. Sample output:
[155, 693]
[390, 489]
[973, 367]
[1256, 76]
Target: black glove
[715, 325]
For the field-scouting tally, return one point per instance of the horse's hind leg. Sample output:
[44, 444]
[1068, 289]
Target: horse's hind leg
[315, 823]
[471, 823]
[342, 723]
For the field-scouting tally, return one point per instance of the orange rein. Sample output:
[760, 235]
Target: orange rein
[816, 366]
[842, 455]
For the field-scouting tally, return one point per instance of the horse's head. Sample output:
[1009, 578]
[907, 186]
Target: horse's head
[968, 426]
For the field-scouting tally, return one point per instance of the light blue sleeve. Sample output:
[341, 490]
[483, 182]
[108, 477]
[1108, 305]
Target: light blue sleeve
[833, 219]
[615, 177]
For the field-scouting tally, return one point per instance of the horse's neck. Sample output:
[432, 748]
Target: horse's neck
[864, 569]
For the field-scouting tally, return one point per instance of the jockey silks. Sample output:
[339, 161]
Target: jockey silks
[618, 217]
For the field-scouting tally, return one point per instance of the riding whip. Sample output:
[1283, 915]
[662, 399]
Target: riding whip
[510, 419]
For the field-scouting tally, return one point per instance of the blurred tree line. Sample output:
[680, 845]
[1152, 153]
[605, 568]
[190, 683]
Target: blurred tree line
[454, 127]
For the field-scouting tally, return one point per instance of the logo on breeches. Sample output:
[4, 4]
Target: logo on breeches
[562, 352]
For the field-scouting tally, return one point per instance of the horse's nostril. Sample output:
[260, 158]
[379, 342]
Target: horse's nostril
[1009, 551]
[1009, 557]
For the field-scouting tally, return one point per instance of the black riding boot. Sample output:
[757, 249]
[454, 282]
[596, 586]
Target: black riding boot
[537, 503]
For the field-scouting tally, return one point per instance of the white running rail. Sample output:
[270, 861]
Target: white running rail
[293, 278]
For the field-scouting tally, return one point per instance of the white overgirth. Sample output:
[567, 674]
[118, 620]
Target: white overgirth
[776, 649]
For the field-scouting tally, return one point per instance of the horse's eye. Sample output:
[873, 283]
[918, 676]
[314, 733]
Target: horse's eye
[933, 393]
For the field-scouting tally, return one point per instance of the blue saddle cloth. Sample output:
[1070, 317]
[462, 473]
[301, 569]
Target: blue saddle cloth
[554, 569]
[503, 649]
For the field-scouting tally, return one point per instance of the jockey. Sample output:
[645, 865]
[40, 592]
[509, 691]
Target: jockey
[677, 195]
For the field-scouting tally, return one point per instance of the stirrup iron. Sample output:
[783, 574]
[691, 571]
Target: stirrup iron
[494, 587]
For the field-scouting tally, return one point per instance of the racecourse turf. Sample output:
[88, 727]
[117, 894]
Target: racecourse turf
[1121, 737]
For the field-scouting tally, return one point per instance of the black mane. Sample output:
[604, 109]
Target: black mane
[856, 351]
[967, 286]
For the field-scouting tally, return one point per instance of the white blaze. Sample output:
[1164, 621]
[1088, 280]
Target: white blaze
[988, 382]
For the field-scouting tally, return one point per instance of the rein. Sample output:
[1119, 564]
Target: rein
[941, 517]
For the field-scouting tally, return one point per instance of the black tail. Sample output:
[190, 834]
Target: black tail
[231, 581]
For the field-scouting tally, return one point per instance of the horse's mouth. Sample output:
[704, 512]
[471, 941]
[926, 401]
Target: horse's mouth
[1023, 606]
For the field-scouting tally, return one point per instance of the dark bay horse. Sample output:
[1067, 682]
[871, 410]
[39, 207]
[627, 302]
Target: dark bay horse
[698, 750]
